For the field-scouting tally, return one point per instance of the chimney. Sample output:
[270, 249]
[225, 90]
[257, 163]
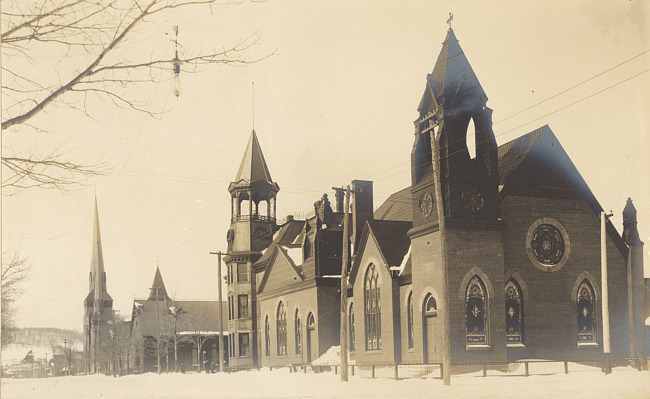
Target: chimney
[362, 208]
[339, 195]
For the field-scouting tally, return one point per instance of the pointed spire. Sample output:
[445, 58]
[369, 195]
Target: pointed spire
[453, 80]
[253, 166]
[97, 271]
[158, 291]
[630, 230]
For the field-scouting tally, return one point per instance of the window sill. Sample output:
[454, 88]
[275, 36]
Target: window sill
[516, 345]
[478, 347]
[588, 345]
[373, 351]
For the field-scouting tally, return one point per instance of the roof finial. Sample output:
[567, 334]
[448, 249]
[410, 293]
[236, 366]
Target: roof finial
[253, 83]
[451, 18]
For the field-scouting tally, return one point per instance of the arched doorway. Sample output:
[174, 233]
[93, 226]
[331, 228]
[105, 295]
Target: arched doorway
[312, 344]
[430, 315]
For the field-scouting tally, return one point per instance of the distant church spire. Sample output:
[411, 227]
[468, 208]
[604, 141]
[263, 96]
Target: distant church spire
[158, 291]
[97, 287]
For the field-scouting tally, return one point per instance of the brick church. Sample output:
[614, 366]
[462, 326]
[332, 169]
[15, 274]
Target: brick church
[521, 243]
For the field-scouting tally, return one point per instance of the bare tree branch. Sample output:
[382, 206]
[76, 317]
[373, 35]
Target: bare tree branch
[83, 42]
[15, 270]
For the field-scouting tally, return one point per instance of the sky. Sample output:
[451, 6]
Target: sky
[335, 102]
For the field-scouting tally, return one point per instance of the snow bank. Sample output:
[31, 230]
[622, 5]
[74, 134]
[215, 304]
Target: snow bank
[622, 383]
[331, 358]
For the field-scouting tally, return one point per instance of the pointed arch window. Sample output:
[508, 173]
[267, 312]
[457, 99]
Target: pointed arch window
[282, 329]
[514, 313]
[585, 313]
[372, 308]
[351, 321]
[298, 334]
[409, 305]
[267, 337]
[476, 312]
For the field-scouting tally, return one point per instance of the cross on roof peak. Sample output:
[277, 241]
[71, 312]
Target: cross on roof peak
[451, 18]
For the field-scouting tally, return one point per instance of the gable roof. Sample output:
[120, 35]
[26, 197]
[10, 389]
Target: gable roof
[537, 161]
[201, 316]
[392, 240]
[158, 291]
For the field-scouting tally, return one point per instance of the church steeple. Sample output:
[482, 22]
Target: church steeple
[97, 281]
[453, 108]
[158, 291]
[252, 168]
[98, 305]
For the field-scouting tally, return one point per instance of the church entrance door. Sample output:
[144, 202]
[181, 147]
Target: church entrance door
[430, 330]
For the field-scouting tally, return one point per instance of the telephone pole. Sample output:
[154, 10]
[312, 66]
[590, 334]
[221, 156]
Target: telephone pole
[344, 288]
[219, 254]
[446, 339]
[607, 351]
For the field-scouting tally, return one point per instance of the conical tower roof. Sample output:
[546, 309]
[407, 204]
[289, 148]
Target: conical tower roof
[158, 291]
[253, 169]
[453, 81]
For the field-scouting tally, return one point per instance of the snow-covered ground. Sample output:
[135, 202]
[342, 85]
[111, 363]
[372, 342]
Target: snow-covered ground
[622, 383]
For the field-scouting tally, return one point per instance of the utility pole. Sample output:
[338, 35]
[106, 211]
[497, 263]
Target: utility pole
[219, 254]
[344, 288]
[65, 351]
[446, 341]
[607, 351]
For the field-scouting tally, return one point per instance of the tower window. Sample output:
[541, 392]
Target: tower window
[410, 321]
[244, 344]
[242, 301]
[242, 272]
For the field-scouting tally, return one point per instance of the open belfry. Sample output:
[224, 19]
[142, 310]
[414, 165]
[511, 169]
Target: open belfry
[493, 253]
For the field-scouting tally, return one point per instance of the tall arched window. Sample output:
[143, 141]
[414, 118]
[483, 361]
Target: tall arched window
[409, 305]
[282, 329]
[586, 316]
[267, 337]
[372, 309]
[476, 312]
[351, 321]
[298, 336]
[514, 313]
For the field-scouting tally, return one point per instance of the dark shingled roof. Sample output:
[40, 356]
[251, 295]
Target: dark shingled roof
[286, 235]
[396, 207]
[392, 239]
[201, 315]
[513, 152]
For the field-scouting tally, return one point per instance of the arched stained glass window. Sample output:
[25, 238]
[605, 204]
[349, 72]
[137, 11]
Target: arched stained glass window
[372, 309]
[514, 313]
[476, 312]
[267, 337]
[351, 321]
[586, 316]
[282, 329]
[297, 334]
[409, 305]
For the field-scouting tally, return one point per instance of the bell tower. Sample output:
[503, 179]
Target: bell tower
[455, 122]
[252, 222]
[453, 111]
